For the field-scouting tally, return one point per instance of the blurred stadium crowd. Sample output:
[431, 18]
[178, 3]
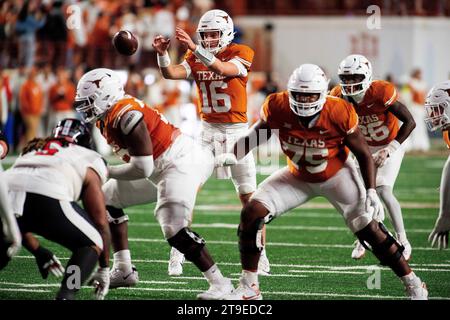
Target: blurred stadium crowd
[41, 59]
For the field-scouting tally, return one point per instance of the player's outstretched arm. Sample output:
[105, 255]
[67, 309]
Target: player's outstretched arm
[139, 146]
[168, 71]
[94, 204]
[440, 233]
[223, 68]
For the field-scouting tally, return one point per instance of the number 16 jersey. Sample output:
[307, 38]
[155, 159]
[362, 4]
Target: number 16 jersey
[222, 99]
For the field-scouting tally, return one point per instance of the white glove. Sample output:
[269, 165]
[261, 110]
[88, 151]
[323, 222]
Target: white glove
[374, 205]
[439, 235]
[12, 236]
[100, 281]
[225, 159]
[48, 263]
[381, 156]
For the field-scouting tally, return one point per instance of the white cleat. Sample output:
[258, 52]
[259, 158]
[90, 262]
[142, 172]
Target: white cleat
[118, 278]
[359, 251]
[245, 291]
[417, 292]
[407, 251]
[175, 263]
[264, 264]
[217, 291]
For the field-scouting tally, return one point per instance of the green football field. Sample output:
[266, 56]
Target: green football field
[309, 249]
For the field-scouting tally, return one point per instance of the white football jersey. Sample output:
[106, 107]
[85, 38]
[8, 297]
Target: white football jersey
[57, 172]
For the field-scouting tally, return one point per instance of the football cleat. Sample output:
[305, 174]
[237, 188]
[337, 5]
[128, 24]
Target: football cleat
[407, 250]
[417, 292]
[217, 291]
[263, 264]
[118, 278]
[175, 263]
[359, 251]
[245, 291]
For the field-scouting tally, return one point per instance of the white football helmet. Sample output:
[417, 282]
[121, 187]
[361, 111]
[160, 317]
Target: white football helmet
[308, 78]
[355, 64]
[437, 105]
[97, 91]
[215, 20]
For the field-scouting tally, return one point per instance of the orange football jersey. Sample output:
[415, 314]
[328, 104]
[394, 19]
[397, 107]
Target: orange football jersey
[162, 133]
[446, 138]
[222, 99]
[314, 154]
[378, 125]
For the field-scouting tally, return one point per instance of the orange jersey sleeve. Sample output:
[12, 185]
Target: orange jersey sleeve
[161, 132]
[222, 99]
[336, 91]
[446, 138]
[314, 154]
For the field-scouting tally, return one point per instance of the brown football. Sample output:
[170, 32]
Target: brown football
[125, 42]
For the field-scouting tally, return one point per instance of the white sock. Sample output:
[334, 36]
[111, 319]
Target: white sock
[213, 274]
[250, 277]
[401, 237]
[411, 280]
[122, 260]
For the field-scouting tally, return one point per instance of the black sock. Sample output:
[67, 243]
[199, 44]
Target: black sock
[85, 259]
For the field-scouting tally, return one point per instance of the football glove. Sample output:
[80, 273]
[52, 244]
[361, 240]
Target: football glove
[12, 236]
[373, 205]
[439, 235]
[381, 156]
[100, 281]
[225, 159]
[48, 263]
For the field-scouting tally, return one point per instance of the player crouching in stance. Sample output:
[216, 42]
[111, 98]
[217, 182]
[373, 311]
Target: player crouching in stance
[315, 132]
[163, 165]
[45, 183]
[379, 112]
[437, 106]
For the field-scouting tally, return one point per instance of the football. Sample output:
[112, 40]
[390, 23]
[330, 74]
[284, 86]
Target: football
[125, 42]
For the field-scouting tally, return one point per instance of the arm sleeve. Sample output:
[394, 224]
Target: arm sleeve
[390, 94]
[347, 119]
[186, 66]
[130, 120]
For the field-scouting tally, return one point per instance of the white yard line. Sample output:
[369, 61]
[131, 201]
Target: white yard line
[326, 271]
[290, 293]
[284, 293]
[417, 266]
[280, 244]
[162, 282]
[271, 227]
[24, 290]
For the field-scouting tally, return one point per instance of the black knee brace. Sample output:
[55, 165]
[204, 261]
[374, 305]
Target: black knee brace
[116, 215]
[250, 240]
[381, 250]
[188, 243]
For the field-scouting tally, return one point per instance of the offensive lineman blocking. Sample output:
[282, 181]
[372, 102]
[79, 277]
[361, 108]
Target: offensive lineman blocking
[316, 132]
[162, 165]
